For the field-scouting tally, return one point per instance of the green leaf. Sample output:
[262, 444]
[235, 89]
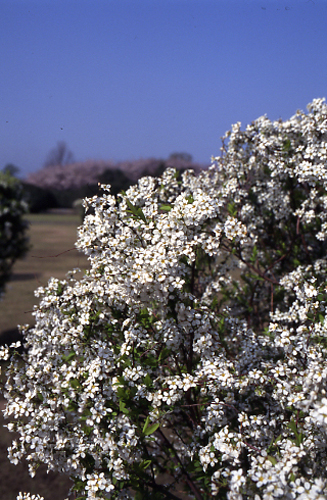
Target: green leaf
[254, 255]
[166, 208]
[69, 356]
[122, 406]
[74, 382]
[79, 486]
[147, 430]
[132, 207]
[136, 211]
[287, 145]
[122, 393]
[272, 459]
[151, 429]
[141, 215]
[292, 425]
[146, 423]
[163, 354]
[72, 406]
[148, 380]
[298, 436]
[231, 209]
[214, 303]
[87, 430]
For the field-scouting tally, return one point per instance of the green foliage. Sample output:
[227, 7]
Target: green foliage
[39, 199]
[10, 169]
[13, 239]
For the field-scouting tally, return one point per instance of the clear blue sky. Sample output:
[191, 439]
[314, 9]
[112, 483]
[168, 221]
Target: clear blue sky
[126, 79]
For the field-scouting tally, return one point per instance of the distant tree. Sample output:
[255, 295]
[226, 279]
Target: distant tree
[10, 169]
[117, 179]
[38, 199]
[60, 155]
[154, 170]
[181, 156]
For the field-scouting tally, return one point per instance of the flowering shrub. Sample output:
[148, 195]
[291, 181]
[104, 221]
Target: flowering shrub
[191, 358]
[13, 240]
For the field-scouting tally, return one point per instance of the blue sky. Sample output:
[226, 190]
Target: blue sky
[130, 79]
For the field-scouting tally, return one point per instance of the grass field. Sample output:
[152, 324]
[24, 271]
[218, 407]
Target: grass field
[52, 253]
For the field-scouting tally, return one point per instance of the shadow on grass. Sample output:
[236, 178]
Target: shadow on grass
[9, 336]
[24, 276]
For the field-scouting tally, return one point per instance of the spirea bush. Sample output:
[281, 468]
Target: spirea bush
[191, 358]
[13, 239]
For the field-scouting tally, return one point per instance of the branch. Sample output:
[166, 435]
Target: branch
[188, 479]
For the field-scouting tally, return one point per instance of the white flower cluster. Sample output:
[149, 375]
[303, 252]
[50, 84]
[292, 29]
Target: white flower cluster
[28, 496]
[192, 356]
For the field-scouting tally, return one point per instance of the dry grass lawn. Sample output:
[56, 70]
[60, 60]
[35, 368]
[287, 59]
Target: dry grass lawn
[52, 253]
